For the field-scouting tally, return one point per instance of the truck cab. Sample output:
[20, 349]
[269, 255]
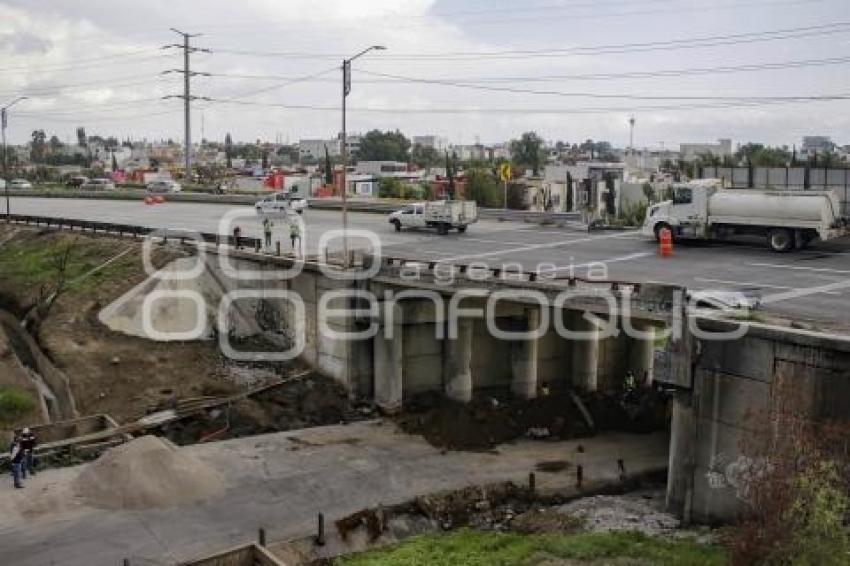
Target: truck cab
[686, 215]
[281, 202]
[411, 216]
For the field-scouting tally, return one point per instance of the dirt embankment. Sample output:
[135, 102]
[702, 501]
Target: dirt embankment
[313, 400]
[489, 421]
[108, 372]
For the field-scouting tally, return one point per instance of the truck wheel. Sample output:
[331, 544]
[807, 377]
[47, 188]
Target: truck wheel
[443, 229]
[780, 240]
[659, 228]
[461, 229]
[397, 225]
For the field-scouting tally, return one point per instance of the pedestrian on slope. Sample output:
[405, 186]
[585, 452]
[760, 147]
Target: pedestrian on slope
[28, 442]
[16, 456]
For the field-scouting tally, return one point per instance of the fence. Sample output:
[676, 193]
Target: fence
[786, 179]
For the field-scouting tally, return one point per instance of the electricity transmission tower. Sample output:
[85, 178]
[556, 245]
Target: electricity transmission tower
[187, 94]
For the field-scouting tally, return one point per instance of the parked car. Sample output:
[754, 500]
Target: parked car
[281, 202]
[76, 182]
[164, 187]
[20, 184]
[98, 185]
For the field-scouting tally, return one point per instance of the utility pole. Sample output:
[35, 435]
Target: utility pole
[632, 134]
[4, 116]
[346, 90]
[187, 90]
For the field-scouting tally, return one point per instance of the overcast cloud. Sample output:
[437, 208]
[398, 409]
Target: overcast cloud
[98, 64]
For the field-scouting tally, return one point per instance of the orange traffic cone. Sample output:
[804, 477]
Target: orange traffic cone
[148, 200]
[665, 239]
[159, 199]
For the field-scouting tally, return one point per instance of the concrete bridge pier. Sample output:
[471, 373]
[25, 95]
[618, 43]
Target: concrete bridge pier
[388, 352]
[642, 351]
[457, 358]
[585, 354]
[524, 359]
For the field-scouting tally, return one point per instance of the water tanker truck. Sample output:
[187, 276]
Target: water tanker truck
[787, 219]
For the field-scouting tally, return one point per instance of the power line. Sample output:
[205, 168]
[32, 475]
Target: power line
[120, 57]
[673, 44]
[60, 89]
[97, 109]
[111, 118]
[768, 66]
[563, 111]
[516, 90]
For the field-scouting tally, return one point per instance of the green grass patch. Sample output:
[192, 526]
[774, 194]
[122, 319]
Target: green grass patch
[475, 548]
[15, 403]
[30, 263]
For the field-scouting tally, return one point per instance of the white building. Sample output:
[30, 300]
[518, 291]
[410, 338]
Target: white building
[315, 149]
[436, 143]
[690, 151]
[817, 145]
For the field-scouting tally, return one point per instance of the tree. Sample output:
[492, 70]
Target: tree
[450, 175]
[424, 156]
[329, 172]
[55, 144]
[390, 187]
[114, 162]
[82, 140]
[383, 146]
[265, 159]
[483, 187]
[228, 150]
[527, 151]
[569, 192]
[38, 149]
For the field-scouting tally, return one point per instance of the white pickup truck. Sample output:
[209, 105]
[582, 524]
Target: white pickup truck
[789, 219]
[281, 203]
[443, 215]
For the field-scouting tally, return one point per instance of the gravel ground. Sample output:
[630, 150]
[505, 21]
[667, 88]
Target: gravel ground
[641, 511]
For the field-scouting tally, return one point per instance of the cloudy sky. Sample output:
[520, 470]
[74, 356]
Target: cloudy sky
[469, 70]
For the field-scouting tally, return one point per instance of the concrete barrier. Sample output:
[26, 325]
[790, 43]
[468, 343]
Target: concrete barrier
[355, 205]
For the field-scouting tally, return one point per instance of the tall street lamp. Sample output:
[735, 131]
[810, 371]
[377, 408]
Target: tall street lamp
[346, 89]
[3, 121]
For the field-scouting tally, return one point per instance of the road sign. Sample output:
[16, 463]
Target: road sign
[346, 77]
[505, 172]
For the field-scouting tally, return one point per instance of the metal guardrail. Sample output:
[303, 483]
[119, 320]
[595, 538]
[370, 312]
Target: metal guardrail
[379, 207]
[133, 231]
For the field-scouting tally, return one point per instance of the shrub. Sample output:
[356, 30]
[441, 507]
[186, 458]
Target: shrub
[795, 488]
[15, 403]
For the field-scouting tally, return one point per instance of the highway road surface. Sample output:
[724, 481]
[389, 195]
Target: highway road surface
[818, 273]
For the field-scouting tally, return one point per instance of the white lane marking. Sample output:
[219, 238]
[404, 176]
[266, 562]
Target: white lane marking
[604, 261]
[538, 246]
[755, 284]
[800, 268]
[486, 241]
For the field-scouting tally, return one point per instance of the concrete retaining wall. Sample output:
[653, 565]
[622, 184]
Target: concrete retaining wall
[734, 384]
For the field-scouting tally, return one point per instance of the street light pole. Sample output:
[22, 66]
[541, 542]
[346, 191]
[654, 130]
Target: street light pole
[346, 89]
[3, 122]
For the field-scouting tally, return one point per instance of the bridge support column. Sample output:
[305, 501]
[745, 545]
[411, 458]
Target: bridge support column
[642, 352]
[389, 364]
[585, 354]
[524, 360]
[457, 373]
